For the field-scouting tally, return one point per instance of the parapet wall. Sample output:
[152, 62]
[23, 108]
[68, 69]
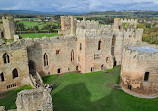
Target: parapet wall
[88, 24]
[93, 32]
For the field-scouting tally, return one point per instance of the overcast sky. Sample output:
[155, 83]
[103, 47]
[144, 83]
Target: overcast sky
[78, 5]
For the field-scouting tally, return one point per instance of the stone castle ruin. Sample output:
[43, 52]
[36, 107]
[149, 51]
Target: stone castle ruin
[7, 28]
[84, 47]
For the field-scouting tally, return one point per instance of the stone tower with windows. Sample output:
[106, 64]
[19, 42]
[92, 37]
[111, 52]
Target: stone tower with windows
[9, 27]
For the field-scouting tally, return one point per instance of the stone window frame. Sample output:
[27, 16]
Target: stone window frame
[80, 46]
[99, 45]
[57, 52]
[45, 58]
[72, 55]
[6, 58]
[146, 76]
[2, 77]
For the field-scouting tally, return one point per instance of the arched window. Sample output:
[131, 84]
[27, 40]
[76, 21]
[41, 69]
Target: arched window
[45, 59]
[15, 73]
[2, 76]
[146, 76]
[6, 58]
[72, 55]
[99, 45]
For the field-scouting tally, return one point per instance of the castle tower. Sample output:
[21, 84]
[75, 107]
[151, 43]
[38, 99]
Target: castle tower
[84, 18]
[9, 27]
[72, 30]
[139, 74]
[68, 25]
[116, 23]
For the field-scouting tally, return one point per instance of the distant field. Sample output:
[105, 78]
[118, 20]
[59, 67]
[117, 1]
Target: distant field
[38, 35]
[29, 24]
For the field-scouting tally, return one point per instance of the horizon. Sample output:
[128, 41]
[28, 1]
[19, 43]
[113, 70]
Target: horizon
[79, 6]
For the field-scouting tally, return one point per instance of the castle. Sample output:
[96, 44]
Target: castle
[86, 47]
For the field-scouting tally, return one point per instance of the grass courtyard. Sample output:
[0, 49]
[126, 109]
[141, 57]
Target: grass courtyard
[89, 92]
[8, 99]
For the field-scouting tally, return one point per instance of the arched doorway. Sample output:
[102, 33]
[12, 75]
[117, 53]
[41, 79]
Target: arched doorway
[76, 68]
[15, 73]
[115, 62]
[102, 67]
[32, 67]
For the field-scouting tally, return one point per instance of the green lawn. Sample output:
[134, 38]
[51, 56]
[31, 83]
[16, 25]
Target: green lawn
[10, 97]
[89, 92]
[29, 24]
[37, 35]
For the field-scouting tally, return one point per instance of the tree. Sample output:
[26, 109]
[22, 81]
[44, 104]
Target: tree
[20, 26]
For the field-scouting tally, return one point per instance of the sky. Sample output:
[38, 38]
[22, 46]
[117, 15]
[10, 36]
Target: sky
[79, 6]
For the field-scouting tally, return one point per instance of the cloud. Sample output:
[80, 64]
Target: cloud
[78, 5]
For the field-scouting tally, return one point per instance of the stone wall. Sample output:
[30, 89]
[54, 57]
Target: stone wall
[15, 60]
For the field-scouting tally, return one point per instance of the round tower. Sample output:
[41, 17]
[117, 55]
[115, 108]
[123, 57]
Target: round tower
[139, 72]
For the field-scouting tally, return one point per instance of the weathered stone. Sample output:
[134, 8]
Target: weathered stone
[34, 100]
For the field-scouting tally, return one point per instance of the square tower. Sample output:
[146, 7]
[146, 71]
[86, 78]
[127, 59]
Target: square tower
[9, 27]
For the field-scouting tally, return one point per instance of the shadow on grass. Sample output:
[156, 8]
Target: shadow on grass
[76, 97]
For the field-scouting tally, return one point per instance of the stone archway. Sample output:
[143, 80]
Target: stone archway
[32, 67]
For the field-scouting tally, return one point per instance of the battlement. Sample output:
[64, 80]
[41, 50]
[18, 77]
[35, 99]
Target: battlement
[88, 24]
[129, 20]
[92, 32]
[44, 40]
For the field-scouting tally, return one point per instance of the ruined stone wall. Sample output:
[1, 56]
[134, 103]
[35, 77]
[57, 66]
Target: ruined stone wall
[65, 45]
[34, 100]
[9, 27]
[135, 65]
[17, 60]
[68, 25]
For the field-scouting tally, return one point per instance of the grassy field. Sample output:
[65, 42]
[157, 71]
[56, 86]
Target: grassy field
[10, 97]
[38, 35]
[90, 92]
[29, 24]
